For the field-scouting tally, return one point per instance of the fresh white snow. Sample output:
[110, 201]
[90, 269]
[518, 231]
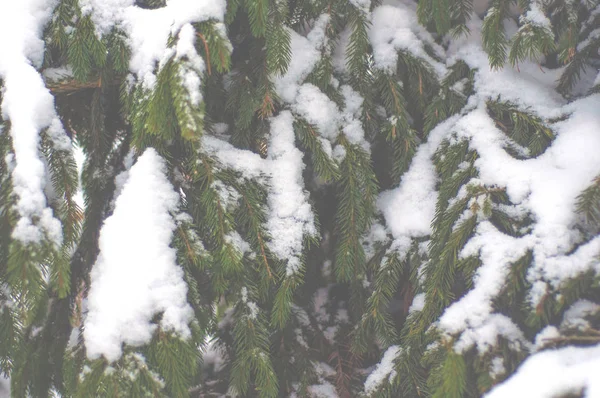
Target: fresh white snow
[554, 373]
[29, 107]
[384, 370]
[290, 216]
[136, 275]
[149, 30]
[394, 27]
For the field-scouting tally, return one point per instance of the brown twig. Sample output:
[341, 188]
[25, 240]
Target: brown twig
[69, 86]
[574, 339]
[201, 36]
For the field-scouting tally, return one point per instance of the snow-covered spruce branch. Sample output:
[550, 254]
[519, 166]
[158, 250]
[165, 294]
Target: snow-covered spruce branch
[312, 198]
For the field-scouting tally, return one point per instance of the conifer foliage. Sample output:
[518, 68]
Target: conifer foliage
[299, 198]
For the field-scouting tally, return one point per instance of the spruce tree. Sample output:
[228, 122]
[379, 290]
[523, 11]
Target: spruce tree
[299, 198]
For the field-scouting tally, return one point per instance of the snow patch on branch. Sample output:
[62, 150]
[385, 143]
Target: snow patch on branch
[409, 209]
[29, 107]
[384, 370]
[316, 107]
[136, 275]
[250, 164]
[290, 215]
[304, 57]
[149, 30]
[553, 373]
[396, 28]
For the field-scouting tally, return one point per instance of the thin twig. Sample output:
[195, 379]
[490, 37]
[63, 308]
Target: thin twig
[201, 36]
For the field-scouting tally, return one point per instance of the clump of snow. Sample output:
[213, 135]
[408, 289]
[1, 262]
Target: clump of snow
[330, 332]
[362, 5]
[324, 389]
[58, 137]
[250, 164]
[29, 107]
[316, 107]
[537, 17]
[484, 334]
[376, 235]
[383, 371]
[394, 27]
[418, 303]
[213, 356]
[234, 239]
[575, 316]
[497, 367]
[195, 64]
[318, 34]
[544, 336]
[300, 338]
[351, 124]
[252, 306]
[526, 87]
[57, 74]
[310, 103]
[148, 30]
[74, 338]
[320, 299]
[409, 209]
[136, 275]
[304, 57]
[551, 373]
[307, 100]
[417, 195]
[290, 216]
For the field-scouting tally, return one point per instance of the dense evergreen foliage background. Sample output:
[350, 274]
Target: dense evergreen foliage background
[299, 198]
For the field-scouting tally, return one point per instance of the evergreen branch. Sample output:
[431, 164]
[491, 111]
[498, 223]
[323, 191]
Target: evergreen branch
[494, 37]
[530, 42]
[253, 219]
[578, 63]
[189, 241]
[214, 43]
[461, 13]
[65, 182]
[278, 39]
[420, 82]
[358, 48]
[252, 350]
[525, 128]
[453, 375]
[258, 11]
[323, 164]
[85, 51]
[175, 360]
[588, 202]
[435, 11]
[356, 193]
[377, 318]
